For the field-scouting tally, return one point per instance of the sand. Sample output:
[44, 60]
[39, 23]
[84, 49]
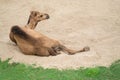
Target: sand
[75, 23]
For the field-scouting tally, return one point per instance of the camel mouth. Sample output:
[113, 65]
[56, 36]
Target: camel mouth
[47, 16]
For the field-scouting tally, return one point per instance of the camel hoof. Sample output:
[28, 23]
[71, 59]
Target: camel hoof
[86, 48]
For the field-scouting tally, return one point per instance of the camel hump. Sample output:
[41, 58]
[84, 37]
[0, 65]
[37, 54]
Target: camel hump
[16, 30]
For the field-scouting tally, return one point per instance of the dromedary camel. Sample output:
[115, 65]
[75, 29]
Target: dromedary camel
[32, 42]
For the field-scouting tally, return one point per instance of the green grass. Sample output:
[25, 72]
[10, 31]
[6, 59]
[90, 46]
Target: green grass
[17, 71]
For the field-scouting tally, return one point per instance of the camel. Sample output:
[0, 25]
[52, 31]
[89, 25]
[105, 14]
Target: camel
[32, 42]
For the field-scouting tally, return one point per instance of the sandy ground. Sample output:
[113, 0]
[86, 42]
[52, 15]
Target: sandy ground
[76, 23]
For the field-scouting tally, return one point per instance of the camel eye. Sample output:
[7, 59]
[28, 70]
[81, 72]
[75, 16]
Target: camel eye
[41, 15]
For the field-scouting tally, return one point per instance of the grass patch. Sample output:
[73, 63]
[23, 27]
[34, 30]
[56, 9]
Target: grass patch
[17, 71]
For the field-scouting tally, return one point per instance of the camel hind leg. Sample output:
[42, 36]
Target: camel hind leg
[71, 52]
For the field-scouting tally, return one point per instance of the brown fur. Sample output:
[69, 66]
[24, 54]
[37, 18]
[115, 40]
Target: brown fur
[33, 43]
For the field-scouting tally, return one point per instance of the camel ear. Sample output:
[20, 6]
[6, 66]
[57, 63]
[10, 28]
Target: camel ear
[33, 13]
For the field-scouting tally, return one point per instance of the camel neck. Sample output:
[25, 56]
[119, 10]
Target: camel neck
[32, 23]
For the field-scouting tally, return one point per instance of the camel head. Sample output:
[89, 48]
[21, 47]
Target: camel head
[38, 16]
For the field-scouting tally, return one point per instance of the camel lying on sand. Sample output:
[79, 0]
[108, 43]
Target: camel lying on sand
[32, 42]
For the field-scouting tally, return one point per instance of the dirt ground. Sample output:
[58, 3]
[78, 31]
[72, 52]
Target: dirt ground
[76, 23]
